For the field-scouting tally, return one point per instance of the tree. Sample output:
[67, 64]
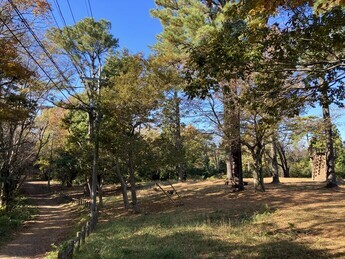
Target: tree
[129, 98]
[86, 43]
[20, 92]
[318, 41]
[56, 137]
[187, 25]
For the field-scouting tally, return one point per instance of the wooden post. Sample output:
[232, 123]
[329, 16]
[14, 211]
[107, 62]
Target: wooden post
[87, 228]
[70, 250]
[83, 230]
[176, 192]
[78, 240]
[165, 193]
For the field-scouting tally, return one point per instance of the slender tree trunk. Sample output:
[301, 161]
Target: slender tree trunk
[229, 165]
[283, 161]
[100, 190]
[6, 187]
[94, 140]
[136, 207]
[123, 186]
[274, 160]
[178, 139]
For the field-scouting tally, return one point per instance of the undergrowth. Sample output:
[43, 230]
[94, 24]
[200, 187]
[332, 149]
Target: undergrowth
[11, 220]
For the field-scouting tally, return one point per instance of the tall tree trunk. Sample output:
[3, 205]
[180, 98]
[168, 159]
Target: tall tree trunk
[123, 186]
[256, 152]
[330, 160]
[178, 139]
[231, 129]
[6, 187]
[257, 173]
[283, 160]
[229, 165]
[274, 160]
[93, 131]
[136, 207]
[100, 190]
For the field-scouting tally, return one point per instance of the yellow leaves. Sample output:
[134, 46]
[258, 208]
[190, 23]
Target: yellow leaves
[323, 5]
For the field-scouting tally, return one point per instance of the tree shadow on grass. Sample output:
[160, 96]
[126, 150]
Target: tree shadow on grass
[191, 244]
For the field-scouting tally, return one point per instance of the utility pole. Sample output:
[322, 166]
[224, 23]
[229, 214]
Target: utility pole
[95, 117]
[50, 162]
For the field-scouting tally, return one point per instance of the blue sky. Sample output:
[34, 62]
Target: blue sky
[133, 25]
[131, 20]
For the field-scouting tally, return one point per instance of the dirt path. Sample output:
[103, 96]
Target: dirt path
[55, 219]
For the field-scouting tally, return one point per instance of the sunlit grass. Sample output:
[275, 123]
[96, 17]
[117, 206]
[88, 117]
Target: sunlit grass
[184, 235]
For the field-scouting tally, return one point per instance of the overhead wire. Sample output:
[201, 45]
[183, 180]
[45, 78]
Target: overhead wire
[34, 59]
[89, 6]
[39, 43]
[70, 9]
[74, 61]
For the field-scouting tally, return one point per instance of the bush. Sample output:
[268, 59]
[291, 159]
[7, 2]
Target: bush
[12, 218]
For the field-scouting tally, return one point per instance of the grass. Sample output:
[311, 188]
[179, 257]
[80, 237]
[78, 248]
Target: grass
[11, 220]
[296, 219]
[182, 235]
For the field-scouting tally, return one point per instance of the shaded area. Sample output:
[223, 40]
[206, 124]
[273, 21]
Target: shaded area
[174, 236]
[52, 225]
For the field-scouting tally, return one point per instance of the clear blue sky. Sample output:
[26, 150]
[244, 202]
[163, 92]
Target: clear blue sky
[133, 25]
[131, 20]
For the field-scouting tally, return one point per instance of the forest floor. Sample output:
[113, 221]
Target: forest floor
[56, 218]
[298, 218]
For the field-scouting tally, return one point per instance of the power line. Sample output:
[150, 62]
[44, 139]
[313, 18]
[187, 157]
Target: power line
[38, 41]
[70, 9]
[32, 57]
[88, 1]
[56, 22]
[60, 12]
[74, 62]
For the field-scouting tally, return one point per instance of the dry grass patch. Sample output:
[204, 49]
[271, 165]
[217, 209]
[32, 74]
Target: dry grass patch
[296, 219]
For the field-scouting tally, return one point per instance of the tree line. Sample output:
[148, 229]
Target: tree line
[223, 91]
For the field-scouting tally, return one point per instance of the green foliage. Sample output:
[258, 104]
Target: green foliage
[12, 218]
[300, 167]
[85, 42]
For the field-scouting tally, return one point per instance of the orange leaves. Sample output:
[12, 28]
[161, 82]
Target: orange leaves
[10, 63]
[38, 7]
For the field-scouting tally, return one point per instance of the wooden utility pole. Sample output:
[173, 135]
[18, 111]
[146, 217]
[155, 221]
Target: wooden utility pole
[50, 162]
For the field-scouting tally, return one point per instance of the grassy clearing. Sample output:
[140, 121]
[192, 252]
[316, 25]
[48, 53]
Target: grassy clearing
[212, 235]
[296, 219]
[13, 219]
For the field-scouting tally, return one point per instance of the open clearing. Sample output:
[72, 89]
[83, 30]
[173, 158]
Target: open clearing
[295, 219]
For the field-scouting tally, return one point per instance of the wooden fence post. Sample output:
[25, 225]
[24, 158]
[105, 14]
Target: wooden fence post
[70, 249]
[87, 228]
[83, 235]
[78, 240]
